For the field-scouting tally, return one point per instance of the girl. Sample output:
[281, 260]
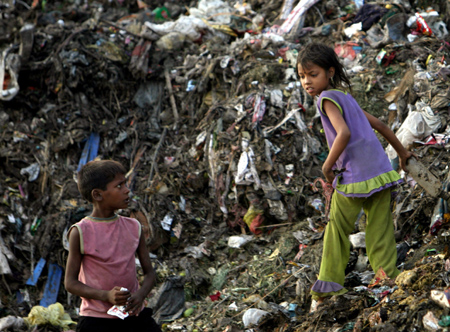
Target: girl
[364, 174]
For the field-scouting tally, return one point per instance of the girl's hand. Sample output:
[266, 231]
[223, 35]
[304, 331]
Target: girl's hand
[328, 173]
[404, 157]
[118, 297]
[134, 304]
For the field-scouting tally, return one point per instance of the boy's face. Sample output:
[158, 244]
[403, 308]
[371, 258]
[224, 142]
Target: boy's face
[314, 78]
[116, 196]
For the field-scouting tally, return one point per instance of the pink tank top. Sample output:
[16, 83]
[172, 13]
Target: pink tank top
[108, 247]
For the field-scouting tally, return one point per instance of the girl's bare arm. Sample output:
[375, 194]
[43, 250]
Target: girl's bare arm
[341, 140]
[389, 135]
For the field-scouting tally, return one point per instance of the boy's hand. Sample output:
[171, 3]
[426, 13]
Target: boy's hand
[134, 304]
[118, 297]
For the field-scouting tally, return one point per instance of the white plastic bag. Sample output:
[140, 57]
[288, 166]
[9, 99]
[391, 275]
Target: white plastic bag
[190, 26]
[296, 15]
[11, 322]
[252, 316]
[9, 74]
[237, 241]
[213, 10]
[358, 240]
[247, 173]
[417, 125]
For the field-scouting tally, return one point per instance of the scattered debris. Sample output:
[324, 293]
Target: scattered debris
[200, 101]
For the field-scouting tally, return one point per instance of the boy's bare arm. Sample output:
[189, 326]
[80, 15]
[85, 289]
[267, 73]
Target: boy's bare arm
[135, 302]
[74, 286]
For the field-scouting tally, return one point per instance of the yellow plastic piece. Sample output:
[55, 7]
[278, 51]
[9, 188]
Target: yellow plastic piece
[54, 315]
[251, 214]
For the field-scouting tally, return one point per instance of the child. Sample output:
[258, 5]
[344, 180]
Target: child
[364, 176]
[102, 250]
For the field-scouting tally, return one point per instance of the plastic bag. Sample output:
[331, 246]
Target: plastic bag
[358, 240]
[439, 29]
[247, 173]
[190, 26]
[253, 316]
[10, 322]
[238, 241]
[9, 74]
[441, 297]
[417, 125]
[396, 27]
[32, 171]
[54, 315]
[172, 41]
[430, 322]
[422, 25]
[168, 303]
[214, 10]
[254, 218]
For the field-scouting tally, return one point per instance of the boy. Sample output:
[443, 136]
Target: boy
[102, 250]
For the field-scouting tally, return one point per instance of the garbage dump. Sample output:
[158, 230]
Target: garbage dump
[201, 102]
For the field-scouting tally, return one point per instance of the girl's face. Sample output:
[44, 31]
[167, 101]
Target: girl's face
[315, 79]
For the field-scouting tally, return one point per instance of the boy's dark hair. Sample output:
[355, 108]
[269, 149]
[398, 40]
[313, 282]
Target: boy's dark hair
[96, 175]
[325, 57]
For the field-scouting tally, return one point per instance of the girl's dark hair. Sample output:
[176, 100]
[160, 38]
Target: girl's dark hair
[96, 175]
[325, 57]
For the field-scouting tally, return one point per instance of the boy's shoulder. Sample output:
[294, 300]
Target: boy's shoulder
[128, 219]
[118, 218]
[91, 225]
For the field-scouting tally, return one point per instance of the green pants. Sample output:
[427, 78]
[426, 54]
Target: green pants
[380, 242]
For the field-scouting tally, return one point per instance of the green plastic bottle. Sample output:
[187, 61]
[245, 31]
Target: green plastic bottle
[161, 14]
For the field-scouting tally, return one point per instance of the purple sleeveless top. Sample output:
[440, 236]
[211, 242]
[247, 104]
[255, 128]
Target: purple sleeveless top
[366, 167]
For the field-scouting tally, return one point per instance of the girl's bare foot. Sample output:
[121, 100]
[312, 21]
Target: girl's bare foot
[315, 304]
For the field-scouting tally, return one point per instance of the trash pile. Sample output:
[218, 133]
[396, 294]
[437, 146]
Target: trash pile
[201, 102]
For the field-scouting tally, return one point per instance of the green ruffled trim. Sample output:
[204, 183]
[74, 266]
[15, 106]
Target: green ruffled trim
[316, 296]
[366, 187]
